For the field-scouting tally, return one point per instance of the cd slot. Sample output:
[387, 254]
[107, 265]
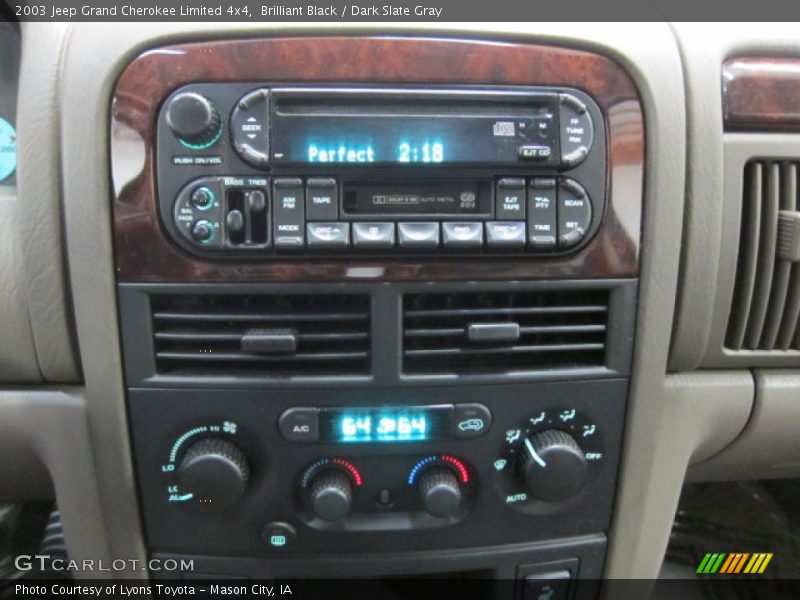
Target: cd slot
[394, 103]
[464, 199]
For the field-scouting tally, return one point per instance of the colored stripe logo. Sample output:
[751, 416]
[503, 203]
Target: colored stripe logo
[734, 563]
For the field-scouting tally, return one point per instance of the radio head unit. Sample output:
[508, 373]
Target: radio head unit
[395, 127]
[263, 170]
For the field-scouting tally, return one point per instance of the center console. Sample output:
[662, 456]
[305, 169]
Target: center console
[377, 303]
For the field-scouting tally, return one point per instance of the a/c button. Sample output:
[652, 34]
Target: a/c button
[299, 424]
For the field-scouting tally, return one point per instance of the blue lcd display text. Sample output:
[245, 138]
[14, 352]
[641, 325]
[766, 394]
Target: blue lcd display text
[386, 424]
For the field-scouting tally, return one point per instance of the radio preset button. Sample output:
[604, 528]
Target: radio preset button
[542, 213]
[505, 235]
[250, 128]
[322, 199]
[288, 218]
[328, 235]
[510, 199]
[373, 236]
[577, 130]
[574, 214]
[299, 424]
[463, 235]
[418, 236]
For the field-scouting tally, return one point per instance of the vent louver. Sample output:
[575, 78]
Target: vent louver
[503, 332]
[262, 335]
[766, 300]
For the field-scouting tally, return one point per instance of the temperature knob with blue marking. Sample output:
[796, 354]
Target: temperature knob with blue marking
[552, 465]
[213, 474]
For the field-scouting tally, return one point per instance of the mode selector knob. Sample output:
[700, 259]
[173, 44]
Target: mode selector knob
[440, 491]
[215, 472]
[194, 120]
[331, 494]
[552, 465]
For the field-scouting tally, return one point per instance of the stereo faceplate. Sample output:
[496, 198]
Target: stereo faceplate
[259, 170]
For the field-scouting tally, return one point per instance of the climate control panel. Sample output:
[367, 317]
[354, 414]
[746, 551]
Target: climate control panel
[268, 471]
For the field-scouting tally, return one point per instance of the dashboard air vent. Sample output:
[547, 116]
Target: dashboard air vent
[503, 332]
[275, 336]
[766, 300]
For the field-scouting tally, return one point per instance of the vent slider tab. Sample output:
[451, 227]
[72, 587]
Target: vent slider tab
[269, 341]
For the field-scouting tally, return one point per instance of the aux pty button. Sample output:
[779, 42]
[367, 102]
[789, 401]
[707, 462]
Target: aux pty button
[471, 420]
[299, 424]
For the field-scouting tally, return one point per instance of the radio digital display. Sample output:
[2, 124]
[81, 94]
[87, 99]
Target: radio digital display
[395, 127]
[386, 424]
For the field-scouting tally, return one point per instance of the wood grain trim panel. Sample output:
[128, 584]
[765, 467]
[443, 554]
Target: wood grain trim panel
[761, 94]
[144, 252]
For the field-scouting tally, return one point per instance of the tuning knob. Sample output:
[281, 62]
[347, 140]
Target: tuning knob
[440, 491]
[194, 120]
[331, 495]
[215, 472]
[552, 465]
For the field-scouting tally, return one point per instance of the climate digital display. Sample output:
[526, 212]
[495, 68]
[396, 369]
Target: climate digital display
[386, 424]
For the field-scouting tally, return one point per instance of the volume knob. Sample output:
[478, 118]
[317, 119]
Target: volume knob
[553, 465]
[215, 472]
[194, 120]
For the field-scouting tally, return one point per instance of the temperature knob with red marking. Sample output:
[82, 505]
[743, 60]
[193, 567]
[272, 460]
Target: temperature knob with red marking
[328, 485]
